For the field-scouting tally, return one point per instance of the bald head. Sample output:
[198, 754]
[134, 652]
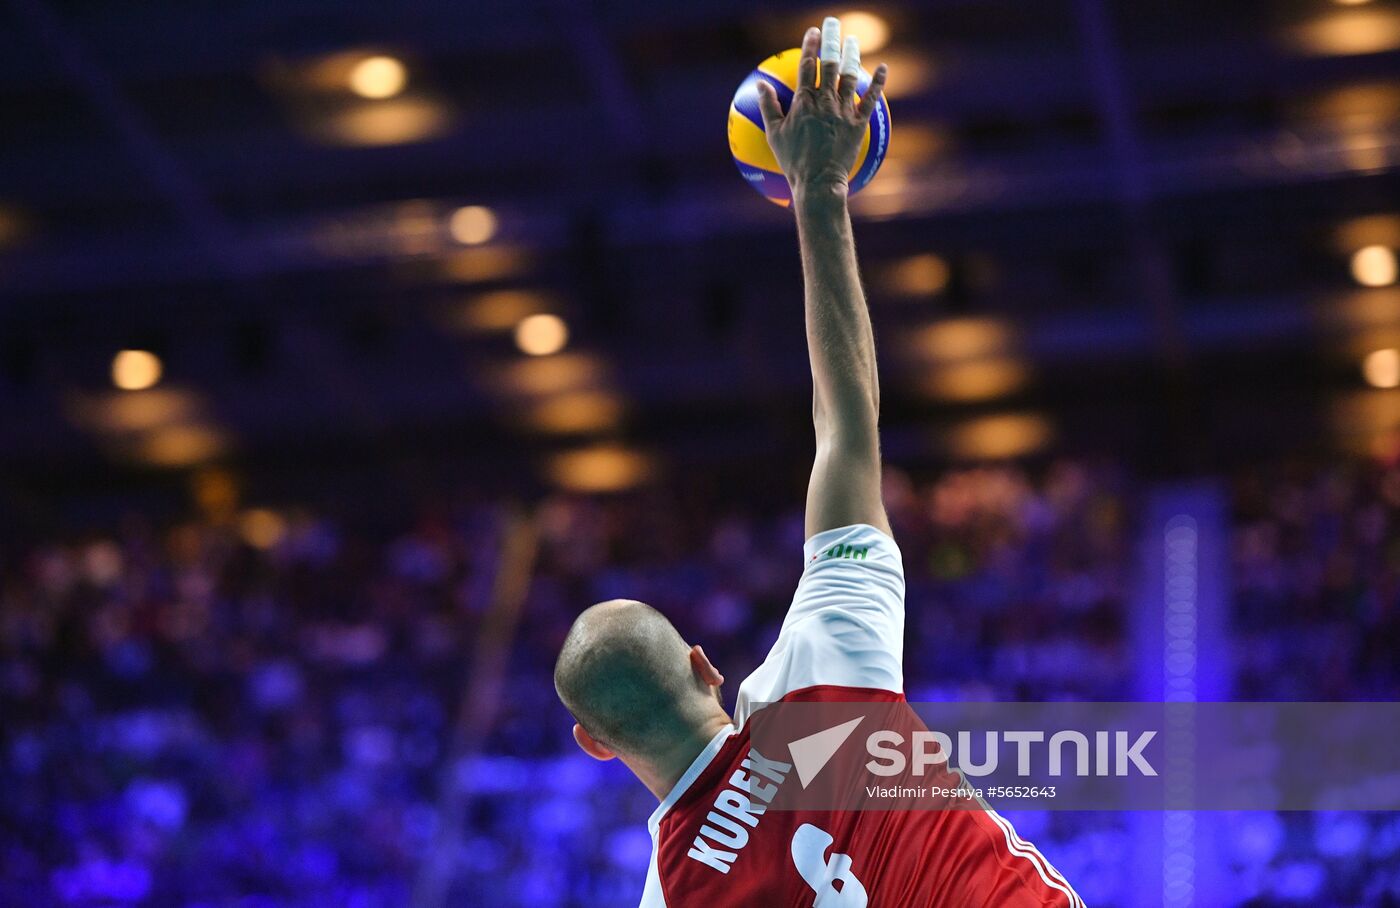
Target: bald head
[625, 674]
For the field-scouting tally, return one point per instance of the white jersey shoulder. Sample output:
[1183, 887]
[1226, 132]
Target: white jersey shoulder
[846, 623]
[845, 628]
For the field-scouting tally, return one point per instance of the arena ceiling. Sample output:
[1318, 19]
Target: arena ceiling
[1102, 222]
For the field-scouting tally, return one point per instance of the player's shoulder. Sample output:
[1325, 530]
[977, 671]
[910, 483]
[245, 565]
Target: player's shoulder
[845, 627]
[856, 543]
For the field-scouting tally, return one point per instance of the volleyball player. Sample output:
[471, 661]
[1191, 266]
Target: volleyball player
[641, 694]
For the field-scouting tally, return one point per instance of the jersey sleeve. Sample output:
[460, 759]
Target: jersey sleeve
[845, 626]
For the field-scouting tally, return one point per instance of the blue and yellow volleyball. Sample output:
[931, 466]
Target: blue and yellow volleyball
[749, 146]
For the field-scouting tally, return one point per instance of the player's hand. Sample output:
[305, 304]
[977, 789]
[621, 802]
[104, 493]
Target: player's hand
[817, 140]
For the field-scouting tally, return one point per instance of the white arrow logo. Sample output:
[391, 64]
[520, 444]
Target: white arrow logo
[811, 753]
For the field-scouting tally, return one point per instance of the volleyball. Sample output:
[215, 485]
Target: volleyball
[749, 145]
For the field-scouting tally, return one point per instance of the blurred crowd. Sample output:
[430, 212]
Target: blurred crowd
[1316, 567]
[268, 712]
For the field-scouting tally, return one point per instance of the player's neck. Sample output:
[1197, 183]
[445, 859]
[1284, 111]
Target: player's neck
[661, 772]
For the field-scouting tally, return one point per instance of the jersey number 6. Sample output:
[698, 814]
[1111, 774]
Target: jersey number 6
[809, 845]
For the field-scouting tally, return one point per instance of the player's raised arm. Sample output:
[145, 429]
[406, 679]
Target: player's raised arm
[816, 142]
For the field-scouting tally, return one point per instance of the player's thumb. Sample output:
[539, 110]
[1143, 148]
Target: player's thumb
[768, 106]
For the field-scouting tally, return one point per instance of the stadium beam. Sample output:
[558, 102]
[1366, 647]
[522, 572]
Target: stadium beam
[1178, 628]
[161, 169]
[480, 702]
[1104, 59]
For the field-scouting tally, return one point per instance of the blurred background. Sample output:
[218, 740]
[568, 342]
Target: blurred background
[348, 350]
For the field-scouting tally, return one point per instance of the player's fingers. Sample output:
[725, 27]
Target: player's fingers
[831, 52]
[850, 69]
[873, 93]
[807, 64]
[768, 105]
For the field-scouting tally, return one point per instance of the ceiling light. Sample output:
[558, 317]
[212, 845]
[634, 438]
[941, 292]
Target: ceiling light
[395, 122]
[472, 225]
[910, 74]
[870, 30]
[549, 375]
[135, 370]
[1374, 266]
[1352, 31]
[498, 310]
[119, 412]
[487, 263]
[918, 275]
[964, 382]
[954, 339]
[578, 411]
[601, 469]
[378, 77]
[1382, 368]
[541, 335]
[181, 446]
[999, 437]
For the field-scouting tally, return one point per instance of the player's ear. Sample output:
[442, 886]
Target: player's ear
[704, 669]
[590, 745]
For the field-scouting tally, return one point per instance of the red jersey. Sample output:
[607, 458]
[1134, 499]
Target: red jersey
[714, 845]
